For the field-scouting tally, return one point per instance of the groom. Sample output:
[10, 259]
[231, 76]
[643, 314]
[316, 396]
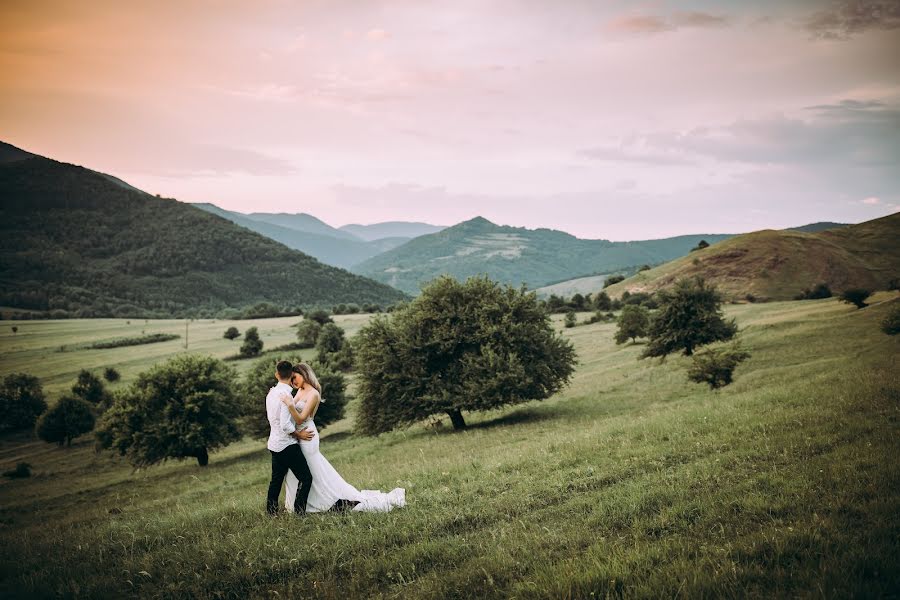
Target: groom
[284, 445]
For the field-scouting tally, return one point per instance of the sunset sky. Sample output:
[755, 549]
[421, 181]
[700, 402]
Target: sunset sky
[617, 120]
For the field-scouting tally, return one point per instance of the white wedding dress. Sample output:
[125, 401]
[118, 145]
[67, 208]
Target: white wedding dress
[328, 486]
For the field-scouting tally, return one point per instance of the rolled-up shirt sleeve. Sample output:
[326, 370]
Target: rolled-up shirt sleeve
[284, 417]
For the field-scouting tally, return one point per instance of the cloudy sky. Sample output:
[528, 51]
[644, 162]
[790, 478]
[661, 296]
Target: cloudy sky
[608, 119]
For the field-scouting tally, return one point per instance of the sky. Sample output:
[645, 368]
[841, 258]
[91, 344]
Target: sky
[621, 120]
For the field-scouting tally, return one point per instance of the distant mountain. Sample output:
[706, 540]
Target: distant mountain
[816, 227]
[515, 255]
[779, 264]
[391, 229]
[303, 222]
[88, 244]
[343, 250]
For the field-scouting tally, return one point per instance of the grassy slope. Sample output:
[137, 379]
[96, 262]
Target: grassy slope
[779, 264]
[632, 481]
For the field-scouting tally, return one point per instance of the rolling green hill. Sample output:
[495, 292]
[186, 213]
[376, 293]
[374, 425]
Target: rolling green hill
[779, 264]
[391, 229]
[515, 255]
[83, 243]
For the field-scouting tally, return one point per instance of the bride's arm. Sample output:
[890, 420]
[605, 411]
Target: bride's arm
[288, 401]
[310, 408]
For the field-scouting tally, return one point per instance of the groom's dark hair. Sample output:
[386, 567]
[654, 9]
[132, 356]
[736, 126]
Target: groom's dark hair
[283, 368]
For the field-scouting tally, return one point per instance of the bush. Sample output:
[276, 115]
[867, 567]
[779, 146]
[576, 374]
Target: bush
[231, 333]
[700, 245]
[330, 341]
[111, 375]
[856, 296]
[820, 290]
[22, 470]
[320, 316]
[891, 323]
[135, 341]
[182, 408]
[308, 333]
[252, 345]
[715, 366]
[21, 402]
[613, 279]
[634, 322]
[69, 418]
[688, 317]
[644, 268]
[570, 320]
[458, 346]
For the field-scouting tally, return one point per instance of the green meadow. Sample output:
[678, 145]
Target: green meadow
[633, 482]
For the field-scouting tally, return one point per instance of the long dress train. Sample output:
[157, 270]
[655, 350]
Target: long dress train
[328, 486]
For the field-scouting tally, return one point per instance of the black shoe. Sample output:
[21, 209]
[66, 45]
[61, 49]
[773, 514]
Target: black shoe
[343, 505]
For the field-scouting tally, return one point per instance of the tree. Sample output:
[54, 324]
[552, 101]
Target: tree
[689, 316]
[602, 302]
[182, 408]
[261, 377]
[111, 375]
[331, 340]
[634, 322]
[458, 346]
[570, 319]
[231, 333]
[252, 345]
[15, 329]
[891, 322]
[90, 388]
[820, 290]
[856, 296]
[21, 402]
[715, 366]
[320, 316]
[578, 302]
[69, 418]
[308, 333]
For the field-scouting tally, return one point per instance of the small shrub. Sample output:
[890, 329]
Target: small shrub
[820, 290]
[231, 333]
[111, 375]
[135, 341]
[700, 245]
[715, 366]
[644, 268]
[570, 320]
[22, 470]
[856, 296]
[891, 323]
[320, 316]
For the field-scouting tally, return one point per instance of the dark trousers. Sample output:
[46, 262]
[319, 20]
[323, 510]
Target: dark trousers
[291, 458]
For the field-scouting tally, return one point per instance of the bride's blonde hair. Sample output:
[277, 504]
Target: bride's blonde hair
[305, 371]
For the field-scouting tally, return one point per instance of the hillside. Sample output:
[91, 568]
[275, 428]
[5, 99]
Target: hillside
[302, 222]
[515, 255]
[779, 264]
[340, 251]
[816, 227]
[78, 241]
[391, 229]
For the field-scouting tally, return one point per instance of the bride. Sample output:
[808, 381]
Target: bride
[328, 487]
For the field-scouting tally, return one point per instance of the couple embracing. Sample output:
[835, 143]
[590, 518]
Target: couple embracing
[312, 484]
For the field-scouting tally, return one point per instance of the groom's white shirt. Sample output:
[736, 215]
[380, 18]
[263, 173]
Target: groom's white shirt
[280, 419]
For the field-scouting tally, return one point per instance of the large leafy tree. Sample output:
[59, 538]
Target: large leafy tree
[69, 418]
[261, 377]
[458, 346]
[633, 323]
[21, 401]
[690, 315]
[183, 408]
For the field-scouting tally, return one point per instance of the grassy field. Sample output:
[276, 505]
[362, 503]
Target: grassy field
[54, 350]
[633, 482]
